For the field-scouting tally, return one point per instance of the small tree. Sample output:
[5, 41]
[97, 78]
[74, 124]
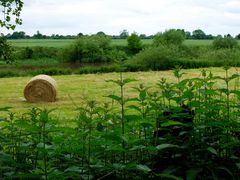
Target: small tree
[89, 49]
[198, 34]
[134, 43]
[169, 37]
[5, 50]
[225, 43]
[124, 34]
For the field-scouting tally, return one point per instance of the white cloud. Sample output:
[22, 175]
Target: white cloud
[142, 16]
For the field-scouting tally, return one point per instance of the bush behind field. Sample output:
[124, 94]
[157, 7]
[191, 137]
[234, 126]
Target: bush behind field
[167, 57]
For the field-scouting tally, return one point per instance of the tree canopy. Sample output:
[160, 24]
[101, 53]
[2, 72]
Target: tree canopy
[172, 36]
[11, 10]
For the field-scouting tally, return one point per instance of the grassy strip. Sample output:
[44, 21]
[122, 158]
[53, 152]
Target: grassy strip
[74, 89]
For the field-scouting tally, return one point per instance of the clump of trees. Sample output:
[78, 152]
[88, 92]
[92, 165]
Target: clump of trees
[169, 37]
[134, 43]
[93, 49]
[225, 43]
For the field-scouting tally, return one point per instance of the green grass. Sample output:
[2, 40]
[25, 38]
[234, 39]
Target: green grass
[59, 43]
[74, 89]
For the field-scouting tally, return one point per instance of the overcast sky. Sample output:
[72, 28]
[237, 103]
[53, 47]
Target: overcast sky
[142, 16]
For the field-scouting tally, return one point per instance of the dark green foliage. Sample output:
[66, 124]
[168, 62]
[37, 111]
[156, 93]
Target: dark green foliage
[91, 49]
[157, 58]
[134, 43]
[150, 136]
[225, 43]
[5, 51]
[169, 37]
[198, 34]
[37, 52]
[11, 10]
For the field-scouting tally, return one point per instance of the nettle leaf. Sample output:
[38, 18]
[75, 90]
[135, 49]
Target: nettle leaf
[114, 97]
[3, 119]
[192, 173]
[119, 166]
[74, 169]
[171, 123]
[238, 165]
[126, 81]
[143, 168]
[142, 94]
[170, 176]
[132, 117]
[233, 76]
[194, 104]
[5, 108]
[164, 146]
[212, 150]
[135, 108]
[118, 82]
[226, 170]
[139, 147]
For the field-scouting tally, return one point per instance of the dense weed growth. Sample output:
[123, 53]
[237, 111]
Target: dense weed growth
[184, 130]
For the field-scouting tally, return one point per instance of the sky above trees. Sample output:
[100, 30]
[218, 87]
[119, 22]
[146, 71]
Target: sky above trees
[143, 16]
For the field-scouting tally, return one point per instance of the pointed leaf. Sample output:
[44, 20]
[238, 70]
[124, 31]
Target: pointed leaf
[114, 97]
[171, 123]
[164, 146]
[212, 150]
[143, 168]
[192, 173]
[169, 176]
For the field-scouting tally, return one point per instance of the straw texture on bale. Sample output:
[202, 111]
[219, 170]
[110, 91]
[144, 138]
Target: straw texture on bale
[41, 88]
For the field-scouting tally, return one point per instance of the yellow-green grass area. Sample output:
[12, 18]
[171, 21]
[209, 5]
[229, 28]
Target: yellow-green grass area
[73, 90]
[61, 43]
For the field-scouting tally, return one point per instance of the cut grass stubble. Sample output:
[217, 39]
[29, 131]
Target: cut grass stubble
[74, 90]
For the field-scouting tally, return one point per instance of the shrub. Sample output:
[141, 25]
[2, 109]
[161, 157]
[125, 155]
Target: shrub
[5, 51]
[134, 43]
[169, 37]
[225, 43]
[36, 52]
[157, 58]
[89, 49]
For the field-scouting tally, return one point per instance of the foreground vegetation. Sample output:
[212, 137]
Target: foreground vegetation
[183, 130]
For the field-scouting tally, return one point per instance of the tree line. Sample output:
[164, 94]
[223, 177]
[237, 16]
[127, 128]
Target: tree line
[124, 34]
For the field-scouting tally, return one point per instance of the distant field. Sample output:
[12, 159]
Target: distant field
[59, 43]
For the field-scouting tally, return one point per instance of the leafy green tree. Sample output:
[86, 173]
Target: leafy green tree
[89, 49]
[169, 37]
[5, 50]
[11, 10]
[101, 33]
[38, 35]
[237, 36]
[18, 35]
[225, 43]
[134, 43]
[198, 34]
[124, 34]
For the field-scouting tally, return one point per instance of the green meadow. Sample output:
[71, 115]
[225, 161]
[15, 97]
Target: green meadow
[75, 90]
[59, 43]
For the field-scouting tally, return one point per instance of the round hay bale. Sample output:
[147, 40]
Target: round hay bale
[41, 88]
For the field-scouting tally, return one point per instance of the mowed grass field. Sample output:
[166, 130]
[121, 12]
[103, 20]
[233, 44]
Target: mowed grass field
[59, 43]
[73, 90]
